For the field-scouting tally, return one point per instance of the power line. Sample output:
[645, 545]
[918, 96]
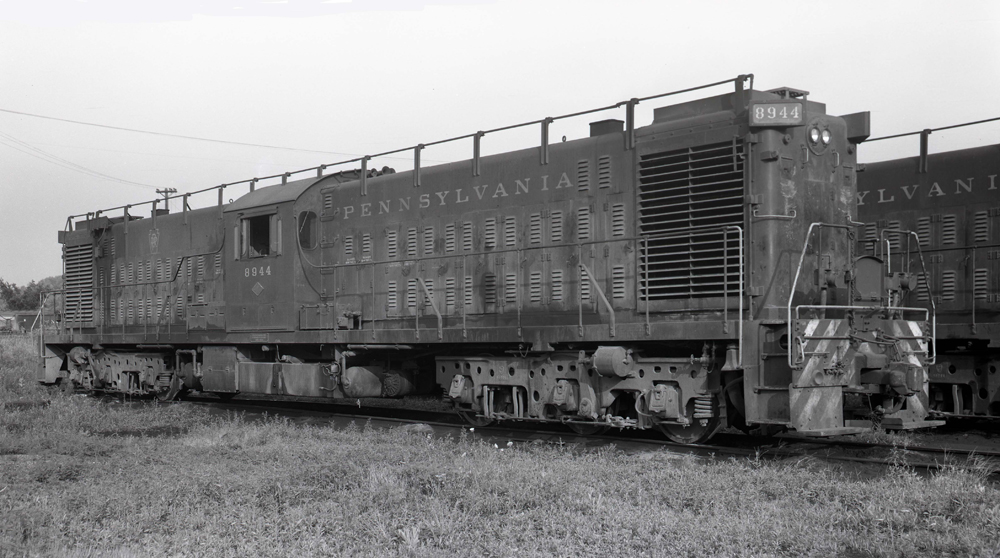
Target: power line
[165, 134]
[169, 135]
[23, 147]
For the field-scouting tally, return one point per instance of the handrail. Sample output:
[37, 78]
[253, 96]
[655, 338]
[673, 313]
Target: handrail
[738, 81]
[798, 271]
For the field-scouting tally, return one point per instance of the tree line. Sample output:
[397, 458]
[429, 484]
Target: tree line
[27, 297]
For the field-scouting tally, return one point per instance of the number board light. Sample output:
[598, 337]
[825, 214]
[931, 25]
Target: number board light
[777, 113]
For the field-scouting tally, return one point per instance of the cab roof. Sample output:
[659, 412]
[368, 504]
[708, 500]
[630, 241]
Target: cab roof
[271, 195]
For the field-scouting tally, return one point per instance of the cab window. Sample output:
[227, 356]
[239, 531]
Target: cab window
[260, 236]
[307, 230]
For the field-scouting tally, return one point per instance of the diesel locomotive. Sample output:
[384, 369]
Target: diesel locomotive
[697, 272]
[938, 216]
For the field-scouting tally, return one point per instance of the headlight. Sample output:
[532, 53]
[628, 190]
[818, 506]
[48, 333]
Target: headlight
[826, 137]
[814, 135]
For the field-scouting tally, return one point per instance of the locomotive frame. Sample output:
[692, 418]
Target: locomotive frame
[645, 277]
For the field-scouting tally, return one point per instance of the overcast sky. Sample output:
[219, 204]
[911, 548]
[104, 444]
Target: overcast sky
[337, 79]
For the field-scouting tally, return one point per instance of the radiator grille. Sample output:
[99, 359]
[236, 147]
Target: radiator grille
[79, 302]
[690, 194]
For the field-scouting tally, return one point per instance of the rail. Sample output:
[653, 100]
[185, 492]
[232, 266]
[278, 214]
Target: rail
[544, 123]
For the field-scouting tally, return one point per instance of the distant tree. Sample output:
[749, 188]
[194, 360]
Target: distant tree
[20, 298]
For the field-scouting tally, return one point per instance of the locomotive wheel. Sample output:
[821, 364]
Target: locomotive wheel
[585, 429]
[691, 434]
[469, 417]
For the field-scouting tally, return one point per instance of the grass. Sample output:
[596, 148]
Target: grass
[84, 477]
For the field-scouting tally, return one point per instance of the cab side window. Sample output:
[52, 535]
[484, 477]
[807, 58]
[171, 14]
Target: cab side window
[259, 236]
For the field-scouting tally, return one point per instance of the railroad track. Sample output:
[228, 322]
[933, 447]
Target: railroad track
[925, 458]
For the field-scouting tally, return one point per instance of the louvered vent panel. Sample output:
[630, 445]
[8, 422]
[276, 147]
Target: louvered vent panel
[583, 223]
[584, 285]
[449, 291]
[327, 202]
[411, 293]
[557, 285]
[618, 281]
[871, 232]
[923, 291]
[428, 240]
[981, 283]
[535, 228]
[556, 224]
[411, 242]
[490, 227]
[348, 247]
[510, 288]
[982, 228]
[366, 246]
[895, 239]
[535, 289]
[467, 236]
[392, 244]
[490, 288]
[618, 219]
[79, 284]
[218, 264]
[510, 232]
[924, 231]
[604, 172]
[392, 300]
[949, 229]
[450, 242]
[467, 290]
[429, 283]
[949, 279]
[681, 192]
[583, 175]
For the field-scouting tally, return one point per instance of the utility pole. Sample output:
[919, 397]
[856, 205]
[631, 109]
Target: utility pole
[165, 192]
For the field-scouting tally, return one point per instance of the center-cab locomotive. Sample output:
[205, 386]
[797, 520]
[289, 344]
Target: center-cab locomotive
[689, 274]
